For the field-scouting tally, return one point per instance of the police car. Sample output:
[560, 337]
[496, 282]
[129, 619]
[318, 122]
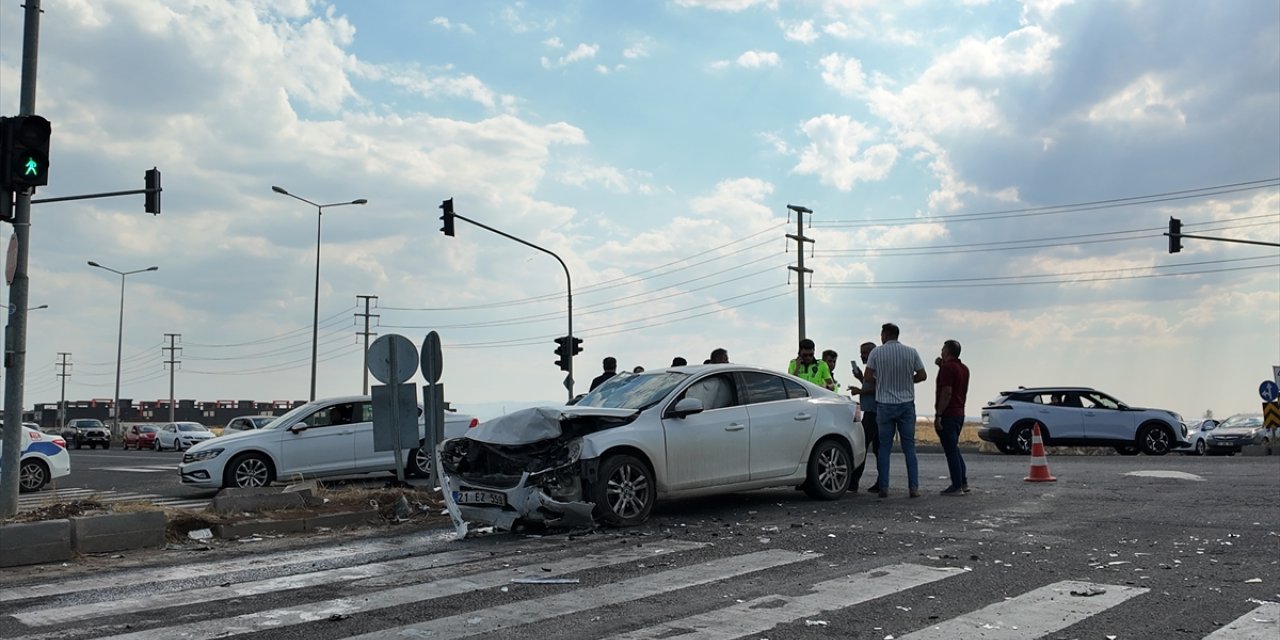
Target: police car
[44, 457]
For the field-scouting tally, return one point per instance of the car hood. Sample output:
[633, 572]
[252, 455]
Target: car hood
[547, 423]
[223, 439]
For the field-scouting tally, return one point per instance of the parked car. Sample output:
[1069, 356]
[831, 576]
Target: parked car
[246, 423]
[141, 436]
[181, 435]
[43, 457]
[322, 438]
[640, 438]
[1197, 436]
[90, 431]
[1078, 416]
[1237, 431]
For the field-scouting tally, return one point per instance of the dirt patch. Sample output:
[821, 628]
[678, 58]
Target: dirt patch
[61, 511]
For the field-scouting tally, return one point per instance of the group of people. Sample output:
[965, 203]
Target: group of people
[888, 398]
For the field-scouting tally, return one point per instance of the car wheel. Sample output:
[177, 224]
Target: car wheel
[32, 476]
[106, 445]
[1200, 447]
[829, 471]
[1155, 440]
[1127, 449]
[625, 493]
[78, 444]
[248, 471]
[1020, 439]
[419, 463]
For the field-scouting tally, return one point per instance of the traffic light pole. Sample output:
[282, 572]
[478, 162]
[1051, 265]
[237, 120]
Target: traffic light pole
[15, 335]
[568, 381]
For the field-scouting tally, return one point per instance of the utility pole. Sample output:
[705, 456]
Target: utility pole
[173, 363]
[366, 315]
[15, 335]
[62, 364]
[799, 268]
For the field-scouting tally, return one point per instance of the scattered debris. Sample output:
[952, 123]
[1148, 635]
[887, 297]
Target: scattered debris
[200, 534]
[815, 623]
[1089, 592]
[1253, 581]
[338, 616]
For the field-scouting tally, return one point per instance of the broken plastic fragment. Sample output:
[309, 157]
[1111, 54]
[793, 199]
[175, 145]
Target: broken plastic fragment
[1088, 592]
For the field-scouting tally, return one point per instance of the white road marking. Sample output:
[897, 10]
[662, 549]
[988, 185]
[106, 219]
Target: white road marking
[148, 469]
[281, 561]
[280, 617]
[29, 502]
[1262, 623]
[766, 612]
[1156, 473]
[1031, 615]
[161, 598]
[528, 611]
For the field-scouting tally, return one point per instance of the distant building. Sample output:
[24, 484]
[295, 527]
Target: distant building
[211, 413]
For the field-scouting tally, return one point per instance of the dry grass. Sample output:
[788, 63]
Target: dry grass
[926, 435]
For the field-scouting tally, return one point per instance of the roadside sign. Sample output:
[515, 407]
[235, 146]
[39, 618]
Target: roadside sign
[393, 359]
[11, 260]
[1269, 391]
[432, 358]
[1271, 415]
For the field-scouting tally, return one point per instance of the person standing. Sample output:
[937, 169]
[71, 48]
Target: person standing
[829, 356]
[610, 365]
[895, 369]
[719, 355]
[870, 430]
[948, 418]
[806, 367]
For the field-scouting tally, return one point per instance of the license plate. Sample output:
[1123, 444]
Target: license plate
[480, 497]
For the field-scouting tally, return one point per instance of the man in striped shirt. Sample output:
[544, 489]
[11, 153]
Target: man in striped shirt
[895, 369]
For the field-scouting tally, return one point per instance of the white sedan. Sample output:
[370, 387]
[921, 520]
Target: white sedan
[43, 458]
[635, 439]
[181, 435]
[330, 437]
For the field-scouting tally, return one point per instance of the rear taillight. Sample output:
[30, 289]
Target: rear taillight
[474, 423]
[60, 442]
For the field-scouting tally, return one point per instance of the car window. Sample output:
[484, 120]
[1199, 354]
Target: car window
[190, 426]
[1242, 420]
[261, 422]
[763, 387]
[715, 392]
[1098, 401]
[630, 391]
[338, 414]
[365, 411]
[795, 389]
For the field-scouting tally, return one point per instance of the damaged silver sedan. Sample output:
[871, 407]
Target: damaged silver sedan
[679, 432]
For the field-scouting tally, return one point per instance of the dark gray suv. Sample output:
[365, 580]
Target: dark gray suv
[90, 431]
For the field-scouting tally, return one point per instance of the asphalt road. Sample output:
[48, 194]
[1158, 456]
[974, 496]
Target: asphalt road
[1123, 547]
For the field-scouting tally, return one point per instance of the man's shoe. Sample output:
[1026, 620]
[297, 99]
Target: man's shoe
[873, 488]
[915, 493]
[884, 493]
[965, 487]
[952, 491]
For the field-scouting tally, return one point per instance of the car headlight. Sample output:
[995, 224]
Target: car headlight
[206, 454]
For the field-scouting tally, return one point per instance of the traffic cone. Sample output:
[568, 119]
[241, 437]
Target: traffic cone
[1039, 466]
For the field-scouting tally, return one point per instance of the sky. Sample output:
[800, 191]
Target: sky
[1000, 173]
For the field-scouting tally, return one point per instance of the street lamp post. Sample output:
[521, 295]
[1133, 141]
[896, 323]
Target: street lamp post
[115, 402]
[315, 316]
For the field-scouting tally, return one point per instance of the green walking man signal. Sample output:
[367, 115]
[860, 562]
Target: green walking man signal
[24, 156]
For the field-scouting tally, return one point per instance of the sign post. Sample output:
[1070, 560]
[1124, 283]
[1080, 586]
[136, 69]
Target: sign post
[393, 360]
[433, 396]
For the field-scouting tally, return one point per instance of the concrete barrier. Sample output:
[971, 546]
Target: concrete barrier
[23, 543]
[118, 532]
[263, 499]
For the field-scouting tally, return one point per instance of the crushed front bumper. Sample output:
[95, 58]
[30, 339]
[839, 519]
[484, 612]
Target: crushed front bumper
[470, 503]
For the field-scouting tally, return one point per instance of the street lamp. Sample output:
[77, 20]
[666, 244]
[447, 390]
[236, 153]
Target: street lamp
[315, 316]
[115, 406]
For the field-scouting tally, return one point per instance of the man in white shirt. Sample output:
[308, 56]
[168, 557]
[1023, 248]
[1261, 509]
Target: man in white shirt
[895, 369]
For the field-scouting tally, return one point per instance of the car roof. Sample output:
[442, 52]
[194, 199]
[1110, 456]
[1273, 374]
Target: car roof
[1045, 389]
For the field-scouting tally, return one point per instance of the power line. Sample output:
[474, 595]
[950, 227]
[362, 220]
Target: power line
[327, 321]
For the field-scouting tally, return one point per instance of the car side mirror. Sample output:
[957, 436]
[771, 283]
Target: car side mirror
[298, 428]
[687, 407]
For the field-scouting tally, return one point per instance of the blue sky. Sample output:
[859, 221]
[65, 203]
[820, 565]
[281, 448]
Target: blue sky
[995, 172]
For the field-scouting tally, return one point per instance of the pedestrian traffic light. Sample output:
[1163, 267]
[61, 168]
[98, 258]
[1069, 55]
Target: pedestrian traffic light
[562, 352]
[1175, 235]
[446, 218]
[26, 152]
[152, 198]
[577, 345]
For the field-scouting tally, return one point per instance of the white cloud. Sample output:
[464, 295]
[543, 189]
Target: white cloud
[553, 42]
[639, 49]
[802, 31]
[579, 53]
[449, 25]
[727, 5]
[1143, 102]
[843, 74]
[610, 178]
[758, 59]
[835, 152]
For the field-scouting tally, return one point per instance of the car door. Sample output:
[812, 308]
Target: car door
[320, 443]
[168, 436]
[782, 423]
[1059, 412]
[712, 447]
[1105, 418]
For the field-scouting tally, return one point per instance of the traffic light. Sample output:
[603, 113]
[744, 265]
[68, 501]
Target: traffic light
[1175, 235]
[152, 202]
[26, 152]
[562, 352]
[577, 346]
[446, 218]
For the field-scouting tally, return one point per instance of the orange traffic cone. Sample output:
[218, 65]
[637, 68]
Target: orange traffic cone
[1039, 466]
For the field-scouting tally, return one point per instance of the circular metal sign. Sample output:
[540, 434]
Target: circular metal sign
[432, 359]
[393, 359]
[1269, 391]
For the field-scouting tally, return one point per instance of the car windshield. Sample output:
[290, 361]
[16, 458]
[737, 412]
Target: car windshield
[86, 424]
[190, 426]
[630, 391]
[262, 421]
[1242, 421]
[295, 413]
[147, 429]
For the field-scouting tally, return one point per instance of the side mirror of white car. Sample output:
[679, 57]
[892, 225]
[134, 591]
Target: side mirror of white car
[298, 428]
[687, 407]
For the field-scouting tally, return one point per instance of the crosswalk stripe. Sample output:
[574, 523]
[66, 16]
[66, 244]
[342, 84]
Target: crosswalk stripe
[282, 561]
[281, 617]
[528, 611]
[137, 469]
[1033, 614]
[1262, 623]
[766, 612]
[161, 598]
[28, 503]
